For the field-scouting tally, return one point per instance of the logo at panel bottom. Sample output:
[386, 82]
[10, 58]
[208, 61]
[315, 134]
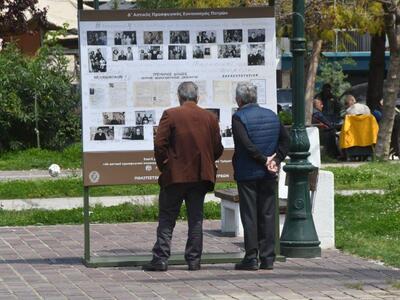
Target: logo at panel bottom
[94, 176]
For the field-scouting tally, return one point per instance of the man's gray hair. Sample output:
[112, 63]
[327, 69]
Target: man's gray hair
[188, 91]
[246, 92]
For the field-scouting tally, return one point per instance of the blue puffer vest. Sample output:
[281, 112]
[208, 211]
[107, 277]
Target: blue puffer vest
[262, 126]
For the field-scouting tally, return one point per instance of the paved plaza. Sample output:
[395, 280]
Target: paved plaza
[44, 262]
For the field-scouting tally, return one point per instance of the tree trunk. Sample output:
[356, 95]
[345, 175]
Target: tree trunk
[376, 71]
[392, 84]
[311, 77]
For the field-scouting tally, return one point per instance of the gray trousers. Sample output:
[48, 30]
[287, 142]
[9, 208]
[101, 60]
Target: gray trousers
[170, 202]
[257, 211]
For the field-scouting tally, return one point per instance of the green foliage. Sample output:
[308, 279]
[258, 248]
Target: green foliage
[149, 4]
[46, 79]
[198, 3]
[369, 226]
[209, 3]
[115, 214]
[285, 117]
[323, 18]
[13, 15]
[332, 73]
[34, 158]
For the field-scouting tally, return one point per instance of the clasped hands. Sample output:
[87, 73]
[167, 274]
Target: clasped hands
[271, 164]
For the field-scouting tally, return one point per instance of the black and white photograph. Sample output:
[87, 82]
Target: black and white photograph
[226, 132]
[133, 133]
[215, 111]
[205, 37]
[97, 38]
[256, 54]
[125, 38]
[179, 37]
[122, 53]
[228, 51]
[103, 133]
[176, 52]
[97, 61]
[145, 117]
[153, 37]
[233, 36]
[201, 51]
[129, 38]
[256, 35]
[113, 118]
[150, 53]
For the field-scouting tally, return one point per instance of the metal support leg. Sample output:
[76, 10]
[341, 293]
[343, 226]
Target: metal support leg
[86, 220]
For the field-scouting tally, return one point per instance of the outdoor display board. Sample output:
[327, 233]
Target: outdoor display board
[132, 63]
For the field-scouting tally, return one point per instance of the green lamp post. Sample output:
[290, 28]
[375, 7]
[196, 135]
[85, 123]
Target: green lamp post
[299, 237]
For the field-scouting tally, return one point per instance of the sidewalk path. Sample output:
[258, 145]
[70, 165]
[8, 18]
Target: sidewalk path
[36, 174]
[44, 263]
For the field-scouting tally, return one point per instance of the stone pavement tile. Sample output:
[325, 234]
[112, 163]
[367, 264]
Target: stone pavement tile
[266, 295]
[26, 296]
[146, 295]
[125, 296]
[358, 294]
[337, 294]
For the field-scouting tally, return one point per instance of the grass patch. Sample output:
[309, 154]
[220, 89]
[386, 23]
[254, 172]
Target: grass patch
[374, 175]
[73, 187]
[69, 158]
[354, 286]
[396, 285]
[369, 225]
[116, 214]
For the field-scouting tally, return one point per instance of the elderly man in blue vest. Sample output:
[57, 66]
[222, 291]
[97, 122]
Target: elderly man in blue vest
[261, 143]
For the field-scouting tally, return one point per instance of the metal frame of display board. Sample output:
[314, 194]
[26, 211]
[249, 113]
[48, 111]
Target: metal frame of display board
[175, 259]
[139, 260]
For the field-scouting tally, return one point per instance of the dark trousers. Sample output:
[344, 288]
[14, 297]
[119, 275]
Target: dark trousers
[257, 211]
[170, 202]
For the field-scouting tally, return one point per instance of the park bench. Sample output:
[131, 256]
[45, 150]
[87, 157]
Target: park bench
[321, 195]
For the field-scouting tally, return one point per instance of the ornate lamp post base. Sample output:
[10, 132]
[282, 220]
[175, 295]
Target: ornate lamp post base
[301, 252]
[299, 237]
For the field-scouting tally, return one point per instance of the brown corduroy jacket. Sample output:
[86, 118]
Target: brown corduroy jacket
[187, 144]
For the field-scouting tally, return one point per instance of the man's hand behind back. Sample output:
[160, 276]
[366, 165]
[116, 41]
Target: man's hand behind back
[271, 164]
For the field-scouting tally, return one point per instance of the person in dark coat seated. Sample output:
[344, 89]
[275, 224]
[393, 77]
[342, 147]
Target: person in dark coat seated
[326, 128]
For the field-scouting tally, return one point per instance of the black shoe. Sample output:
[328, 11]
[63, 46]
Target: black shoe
[266, 264]
[247, 264]
[194, 265]
[155, 266]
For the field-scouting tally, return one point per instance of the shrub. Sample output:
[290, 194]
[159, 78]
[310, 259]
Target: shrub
[46, 79]
[285, 117]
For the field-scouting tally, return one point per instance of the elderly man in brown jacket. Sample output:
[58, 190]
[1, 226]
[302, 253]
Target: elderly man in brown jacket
[187, 144]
